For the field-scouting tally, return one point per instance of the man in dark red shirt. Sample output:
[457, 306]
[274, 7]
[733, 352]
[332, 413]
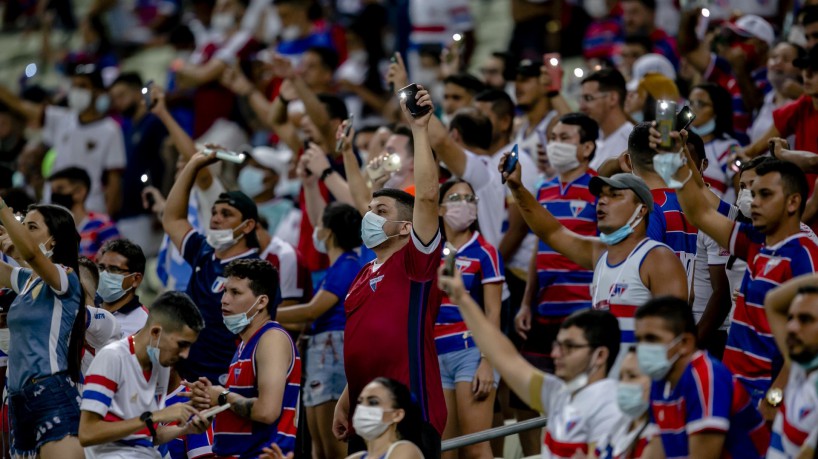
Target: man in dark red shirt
[393, 302]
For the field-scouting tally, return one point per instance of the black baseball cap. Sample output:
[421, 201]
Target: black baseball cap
[246, 206]
[529, 68]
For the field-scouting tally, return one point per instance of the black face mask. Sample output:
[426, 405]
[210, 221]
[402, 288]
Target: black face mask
[130, 111]
[62, 199]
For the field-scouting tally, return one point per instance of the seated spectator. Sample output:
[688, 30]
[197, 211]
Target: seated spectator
[70, 188]
[191, 445]
[120, 400]
[264, 387]
[585, 350]
[338, 234]
[383, 398]
[121, 266]
[699, 409]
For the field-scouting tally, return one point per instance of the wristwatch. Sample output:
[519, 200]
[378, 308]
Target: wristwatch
[147, 418]
[774, 397]
[327, 172]
[223, 397]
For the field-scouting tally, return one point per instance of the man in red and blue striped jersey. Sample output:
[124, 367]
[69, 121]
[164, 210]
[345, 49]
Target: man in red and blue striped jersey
[699, 408]
[264, 381]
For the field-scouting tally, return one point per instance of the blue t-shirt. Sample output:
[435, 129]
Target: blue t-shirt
[40, 321]
[337, 281]
[143, 147]
[211, 354]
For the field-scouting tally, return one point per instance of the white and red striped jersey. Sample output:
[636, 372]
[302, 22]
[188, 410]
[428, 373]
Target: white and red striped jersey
[718, 174]
[116, 388]
[798, 415]
[575, 421]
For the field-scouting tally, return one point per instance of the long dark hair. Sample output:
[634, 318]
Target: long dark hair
[411, 426]
[444, 188]
[62, 228]
[722, 107]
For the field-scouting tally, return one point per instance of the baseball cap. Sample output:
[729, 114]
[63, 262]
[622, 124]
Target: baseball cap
[623, 181]
[529, 68]
[752, 26]
[659, 87]
[650, 63]
[810, 61]
[242, 203]
[276, 159]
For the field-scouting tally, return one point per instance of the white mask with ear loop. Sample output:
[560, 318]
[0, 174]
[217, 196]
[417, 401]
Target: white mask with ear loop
[581, 380]
[46, 251]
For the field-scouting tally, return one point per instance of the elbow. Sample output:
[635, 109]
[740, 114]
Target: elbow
[85, 437]
[268, 416]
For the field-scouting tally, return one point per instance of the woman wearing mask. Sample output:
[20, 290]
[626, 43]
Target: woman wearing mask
[387, 419]
[712, 105]
[631, 437]
[468, 379]
[47, 327]
[338, 235]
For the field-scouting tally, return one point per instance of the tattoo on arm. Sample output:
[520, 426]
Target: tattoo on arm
[243, 407]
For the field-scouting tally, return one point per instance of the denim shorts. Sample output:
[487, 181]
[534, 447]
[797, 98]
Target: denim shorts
[326, 379]
[461, 366]
[44, 410]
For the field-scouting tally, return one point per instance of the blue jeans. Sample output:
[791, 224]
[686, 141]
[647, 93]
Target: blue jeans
[44, 410]
[326, 378]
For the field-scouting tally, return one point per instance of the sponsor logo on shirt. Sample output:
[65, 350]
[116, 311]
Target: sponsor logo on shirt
[373, 283]
[618, 289]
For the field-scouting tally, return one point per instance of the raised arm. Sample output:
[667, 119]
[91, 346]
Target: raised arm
[174, 221]
[34, 113]
[777, 305]
[447, 150]
[312, 193]
[320, 303]
[28, 250]
[358, 189]
[582, 250]
[425, 219]
[318, 164]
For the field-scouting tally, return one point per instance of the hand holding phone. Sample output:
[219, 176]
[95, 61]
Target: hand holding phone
[449, 257]
[146, 93]
[340, 143]
[553, 65]
[684, 118]
[211, 413]
[511, 162]
[409, 93]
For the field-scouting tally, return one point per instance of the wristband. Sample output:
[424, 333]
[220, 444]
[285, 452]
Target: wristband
[327, 172]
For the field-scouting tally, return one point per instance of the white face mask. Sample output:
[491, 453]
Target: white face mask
[221, 239]
[368, 422]
[562, 156]
[290, 33]
[79, 99]
[744, 201]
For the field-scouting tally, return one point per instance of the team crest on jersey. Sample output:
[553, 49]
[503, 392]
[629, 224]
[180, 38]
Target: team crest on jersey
[218, 285]
[618, 289]
[804, 412]
[462, 265]
[577, 207]
[771, 264]
[373, 283]
[236, 374]
[571, 424]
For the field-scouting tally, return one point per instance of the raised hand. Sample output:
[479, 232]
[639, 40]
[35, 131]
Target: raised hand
[514, 179]
[233, 79]
[423, 100]
[396, 74]
[317, 161]
[282, 67]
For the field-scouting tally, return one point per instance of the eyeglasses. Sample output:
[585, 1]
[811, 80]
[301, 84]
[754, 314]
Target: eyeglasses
[455, 197]
[592, 97]
[567, 347]
[699, 104]
[112, 269]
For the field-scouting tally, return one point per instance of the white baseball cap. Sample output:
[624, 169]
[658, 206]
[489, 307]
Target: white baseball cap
[752, 26]
[650, 63]
[277, 159]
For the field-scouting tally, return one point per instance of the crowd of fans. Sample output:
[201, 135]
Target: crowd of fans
[359, 238]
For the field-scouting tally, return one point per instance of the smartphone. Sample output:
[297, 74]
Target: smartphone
[511, 162]
[684, 118]
[348, 127]
[553, 63]
[146, 182]
[226, 155]
[146, 93]
[408, 93]
[449, 256]
[771, 147]
[736, 163]
[210, 413]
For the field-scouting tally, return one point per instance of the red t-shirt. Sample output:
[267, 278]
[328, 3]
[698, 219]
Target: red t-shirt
[800, 118]
[391, 311]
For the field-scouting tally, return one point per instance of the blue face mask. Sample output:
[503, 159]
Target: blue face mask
[631, 399]
[652, 358]
[251, 181]
[153, 351]
[705, 129]
[236, 323]
[372, 232]
[110, 286]
[666, 165]
[619, 235]
[319, 244]
[102, 104]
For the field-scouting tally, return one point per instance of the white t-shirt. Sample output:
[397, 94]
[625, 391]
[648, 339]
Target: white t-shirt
[538, 137]
[95, 147]
[799, 411]
[483, 176]
[611, 146]
[132, 321]
[574, 422]
[287, 264]
[116, 389]
[764, 119]
[708, 253]
[101, 329]
[719, 174]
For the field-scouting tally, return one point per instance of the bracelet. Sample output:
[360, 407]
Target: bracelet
[327, 172]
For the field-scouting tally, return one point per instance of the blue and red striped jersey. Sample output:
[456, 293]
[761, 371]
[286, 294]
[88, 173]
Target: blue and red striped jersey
[721, 73]
[190, 446]
[751, 353]
[668, 225]
[243, 438]
[479, 263]
[707, 398]
[562, 285]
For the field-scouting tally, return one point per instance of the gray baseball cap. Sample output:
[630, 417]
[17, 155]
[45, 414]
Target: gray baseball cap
[623, 181]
